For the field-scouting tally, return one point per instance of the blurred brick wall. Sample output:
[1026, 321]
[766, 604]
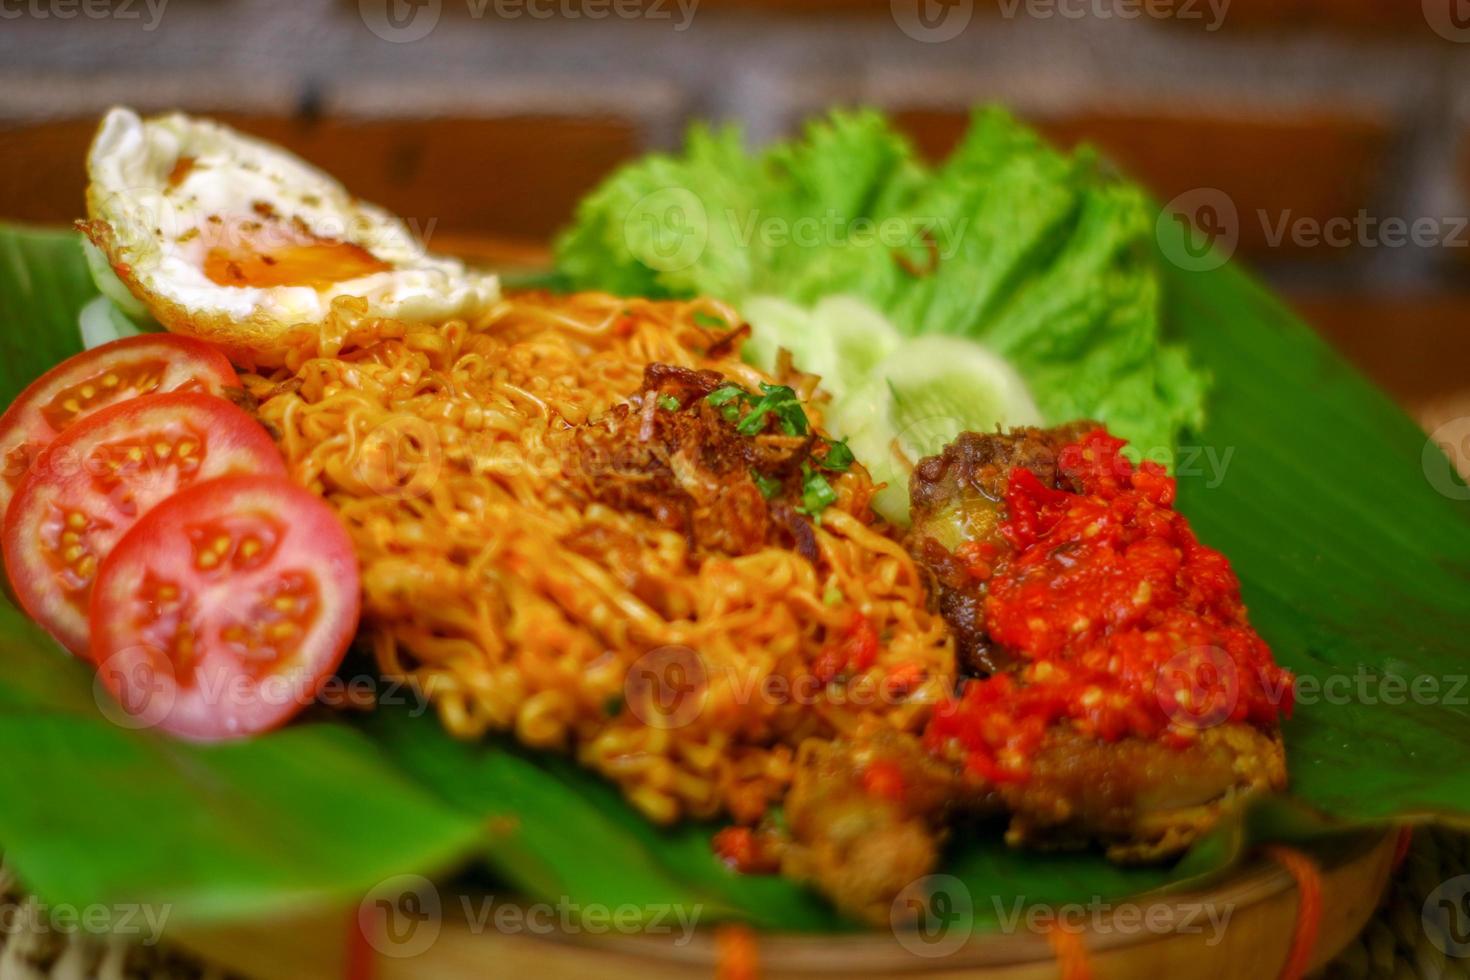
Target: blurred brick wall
[1316, 121]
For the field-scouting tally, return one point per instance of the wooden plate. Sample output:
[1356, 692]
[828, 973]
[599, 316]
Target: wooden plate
[1254, 915]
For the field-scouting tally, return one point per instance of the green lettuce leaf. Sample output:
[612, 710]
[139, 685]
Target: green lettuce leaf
[1045, 258]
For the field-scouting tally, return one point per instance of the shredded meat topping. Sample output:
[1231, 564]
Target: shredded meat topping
[671, 455]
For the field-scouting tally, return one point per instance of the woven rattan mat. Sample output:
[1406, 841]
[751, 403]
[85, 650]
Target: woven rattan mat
[1394, 946]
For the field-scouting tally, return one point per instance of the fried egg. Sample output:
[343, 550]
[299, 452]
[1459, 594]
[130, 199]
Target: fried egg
[236, 241]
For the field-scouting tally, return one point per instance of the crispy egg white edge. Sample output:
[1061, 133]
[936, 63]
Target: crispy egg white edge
[153, 224]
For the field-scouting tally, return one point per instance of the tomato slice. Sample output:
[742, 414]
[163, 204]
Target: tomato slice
[222, 612]
[103, 376]
[99, 476]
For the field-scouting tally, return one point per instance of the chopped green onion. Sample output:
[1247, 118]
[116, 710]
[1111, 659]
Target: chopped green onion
[725, 394]
[780, 401]
[787, 408]
[833, 596]
[838, 458]
[816, 493]
[669, 403]
[727, 399]
[769, 486]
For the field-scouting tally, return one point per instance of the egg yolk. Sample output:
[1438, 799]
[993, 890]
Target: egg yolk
[314, 265]
[295, 258]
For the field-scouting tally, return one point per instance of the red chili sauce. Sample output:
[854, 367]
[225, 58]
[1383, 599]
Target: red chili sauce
[1123, 623]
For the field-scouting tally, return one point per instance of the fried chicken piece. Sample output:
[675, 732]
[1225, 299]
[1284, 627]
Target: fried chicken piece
[865, 817]
[1142, 800]
[955, 506]
[1144, 787]
[1067, 594]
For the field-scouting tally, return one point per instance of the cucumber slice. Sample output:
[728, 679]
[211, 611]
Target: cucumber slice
[101, 322]
[841, 340]
[929, 391]
[862, 338]
[776, 323]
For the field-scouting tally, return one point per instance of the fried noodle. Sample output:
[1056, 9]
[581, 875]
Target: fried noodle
[517, 603]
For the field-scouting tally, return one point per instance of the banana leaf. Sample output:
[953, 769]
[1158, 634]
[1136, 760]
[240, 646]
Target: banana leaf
[1323, 494]
[44, 283]
[1351, 536]
[94, 812]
